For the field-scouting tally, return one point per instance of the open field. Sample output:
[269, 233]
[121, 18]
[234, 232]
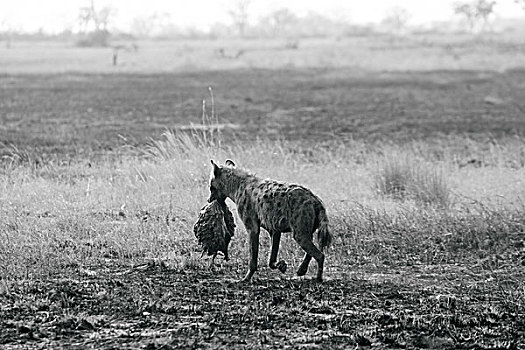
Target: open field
[425, 52]
[421, 166]
[71, 114]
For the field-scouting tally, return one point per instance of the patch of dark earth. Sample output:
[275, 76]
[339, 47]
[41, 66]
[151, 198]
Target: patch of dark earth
[157, 307]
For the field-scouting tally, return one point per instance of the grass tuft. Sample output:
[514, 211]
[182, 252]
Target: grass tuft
[402, 177]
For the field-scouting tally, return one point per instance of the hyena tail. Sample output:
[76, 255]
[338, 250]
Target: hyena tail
[324, 237]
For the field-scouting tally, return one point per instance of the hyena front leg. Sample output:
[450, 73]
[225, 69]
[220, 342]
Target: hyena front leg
[281, 265]
[253, 247]
[276, 240]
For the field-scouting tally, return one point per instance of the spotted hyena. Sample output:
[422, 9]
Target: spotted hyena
[277, 207]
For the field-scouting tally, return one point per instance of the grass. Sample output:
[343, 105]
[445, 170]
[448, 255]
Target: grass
[403, 177]
[58, 217]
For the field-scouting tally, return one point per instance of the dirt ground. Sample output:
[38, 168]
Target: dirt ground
[153, 306]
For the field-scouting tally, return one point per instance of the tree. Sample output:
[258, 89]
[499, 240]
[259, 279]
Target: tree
[94, 24]
[7, 31]
[145, 26]
[103, 17]
[99, 19]
[142, 26]
[396, 20]
[484, 10]
[476, 13]
[239, 15]
[467, 11]
[279, 21]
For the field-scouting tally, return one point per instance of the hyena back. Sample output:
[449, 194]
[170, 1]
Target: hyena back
[277, 207]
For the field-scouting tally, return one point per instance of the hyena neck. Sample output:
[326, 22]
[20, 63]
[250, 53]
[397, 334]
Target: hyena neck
[237, 183]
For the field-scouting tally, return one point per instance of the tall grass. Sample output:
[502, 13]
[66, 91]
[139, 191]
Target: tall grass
[387, 205]
[413, 235]
[402, 176]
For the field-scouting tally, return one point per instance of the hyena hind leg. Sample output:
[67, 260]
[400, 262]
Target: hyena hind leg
[303, 268]
[311, 252]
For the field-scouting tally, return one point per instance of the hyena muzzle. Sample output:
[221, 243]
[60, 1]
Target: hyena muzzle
[277, 207]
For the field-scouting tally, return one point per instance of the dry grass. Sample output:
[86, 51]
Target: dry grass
[79, 215]
[404, 177]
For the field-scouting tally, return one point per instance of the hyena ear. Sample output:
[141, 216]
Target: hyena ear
[216, 169]
[230, 163]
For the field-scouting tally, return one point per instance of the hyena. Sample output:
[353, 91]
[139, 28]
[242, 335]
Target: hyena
[277, 207]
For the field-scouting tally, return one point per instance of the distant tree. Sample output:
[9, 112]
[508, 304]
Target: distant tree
[220, 30]
[396, 19]
[98, 19]
[145, 26]
[94, 23]
[485, 9]
[279, 21]
[103, 17]
[239, 15]
[468, 12]
[3, 29]
[311, 25]
[7, 30]
[142, 26]
[476, 13]
[84, 18]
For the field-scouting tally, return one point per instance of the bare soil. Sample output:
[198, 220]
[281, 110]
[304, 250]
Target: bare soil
[156, 307]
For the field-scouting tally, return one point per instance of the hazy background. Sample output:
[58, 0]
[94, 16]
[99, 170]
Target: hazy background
[252, 18]
[54, 16]
[153, 36]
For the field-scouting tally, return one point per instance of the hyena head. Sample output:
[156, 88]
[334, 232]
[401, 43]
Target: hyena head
[218, 181]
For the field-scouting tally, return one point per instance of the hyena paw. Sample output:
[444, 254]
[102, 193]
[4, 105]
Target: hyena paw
[303, 269]
[282, 266]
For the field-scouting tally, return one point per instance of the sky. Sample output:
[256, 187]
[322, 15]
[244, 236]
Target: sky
[55, 15]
